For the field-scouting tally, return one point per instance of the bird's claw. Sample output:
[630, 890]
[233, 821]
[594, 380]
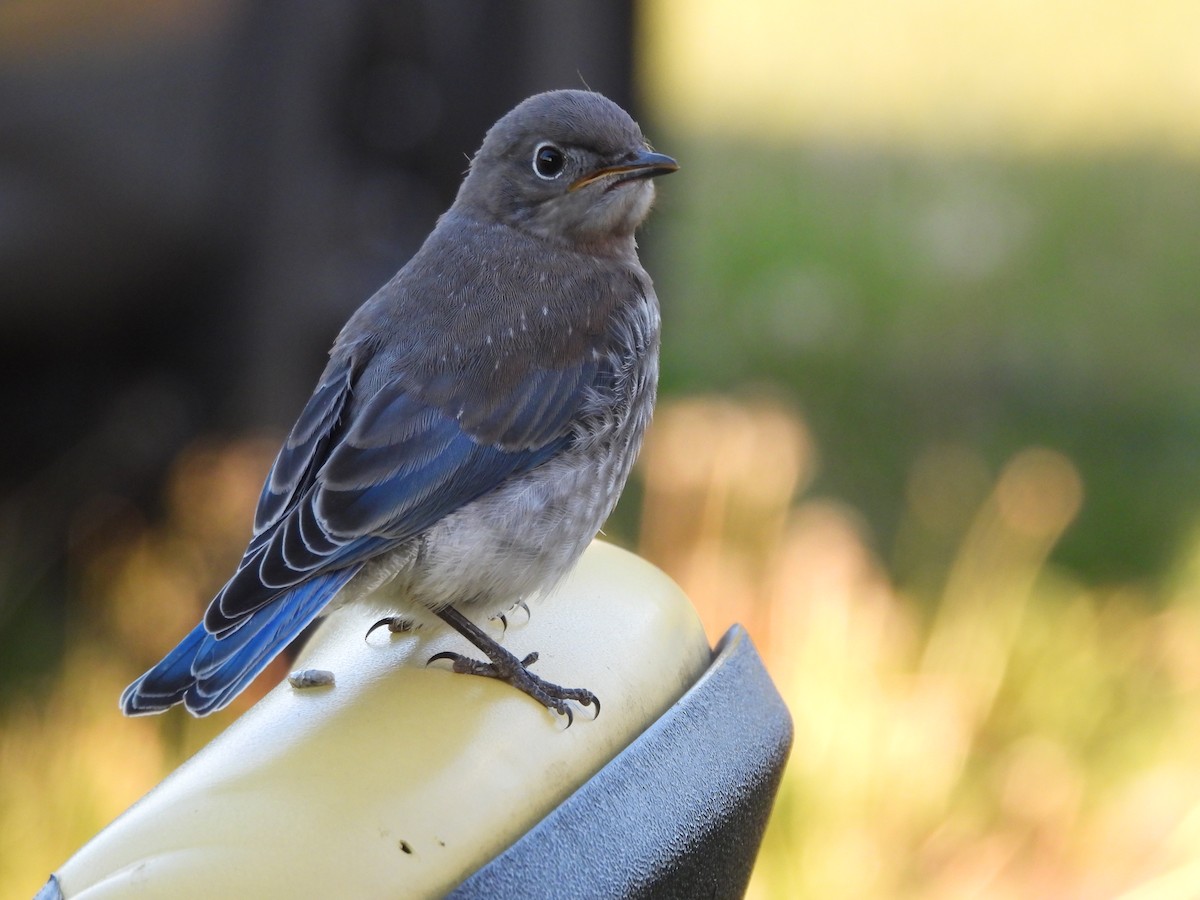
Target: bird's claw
[395, 624]
[503, 617]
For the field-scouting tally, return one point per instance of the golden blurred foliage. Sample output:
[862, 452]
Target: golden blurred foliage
[1016, 735]
[1011, 734]
[69, 761]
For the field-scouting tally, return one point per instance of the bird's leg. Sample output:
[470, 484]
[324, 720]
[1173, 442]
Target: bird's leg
[506, 667]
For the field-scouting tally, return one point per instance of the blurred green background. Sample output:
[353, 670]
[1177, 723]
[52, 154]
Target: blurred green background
[929, 427]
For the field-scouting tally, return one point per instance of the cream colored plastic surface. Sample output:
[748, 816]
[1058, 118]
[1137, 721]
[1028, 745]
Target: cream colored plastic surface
[401, 780]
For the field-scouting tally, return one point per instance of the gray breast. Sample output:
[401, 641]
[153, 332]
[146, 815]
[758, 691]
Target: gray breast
[526, 535]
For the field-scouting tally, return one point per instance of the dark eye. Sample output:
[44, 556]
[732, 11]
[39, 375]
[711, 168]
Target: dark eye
[548, 161]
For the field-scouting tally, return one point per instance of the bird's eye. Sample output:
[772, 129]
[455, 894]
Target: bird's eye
[548, 161]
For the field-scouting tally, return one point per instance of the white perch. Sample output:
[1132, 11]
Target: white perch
[398, 779]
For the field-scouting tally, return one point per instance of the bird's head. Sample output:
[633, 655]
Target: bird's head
[568, 166]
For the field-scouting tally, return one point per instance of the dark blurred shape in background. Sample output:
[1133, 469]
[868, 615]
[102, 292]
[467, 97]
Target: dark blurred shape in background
[193, 197]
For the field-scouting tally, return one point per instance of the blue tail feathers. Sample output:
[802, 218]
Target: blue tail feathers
[205, 672]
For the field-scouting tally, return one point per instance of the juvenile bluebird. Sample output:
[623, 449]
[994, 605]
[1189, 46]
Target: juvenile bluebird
[476, 422]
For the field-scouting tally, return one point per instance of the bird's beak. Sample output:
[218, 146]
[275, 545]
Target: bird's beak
[646, 164]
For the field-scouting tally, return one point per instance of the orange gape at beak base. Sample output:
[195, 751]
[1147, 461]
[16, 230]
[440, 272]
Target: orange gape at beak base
[646, 165]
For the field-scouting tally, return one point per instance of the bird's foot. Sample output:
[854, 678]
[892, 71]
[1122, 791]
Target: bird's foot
[395, 625]
[515, 671]
[506, 667]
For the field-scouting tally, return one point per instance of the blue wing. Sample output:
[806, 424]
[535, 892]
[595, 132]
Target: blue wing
[351, 482]
[342, 492]
[205, 672]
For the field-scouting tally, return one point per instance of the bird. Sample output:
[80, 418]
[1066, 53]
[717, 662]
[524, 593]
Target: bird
[476, 422]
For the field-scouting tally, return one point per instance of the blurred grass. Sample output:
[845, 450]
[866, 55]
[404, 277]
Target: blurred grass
[69, 761]
[911, 303]
[1008, 730]
[1015, 733]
